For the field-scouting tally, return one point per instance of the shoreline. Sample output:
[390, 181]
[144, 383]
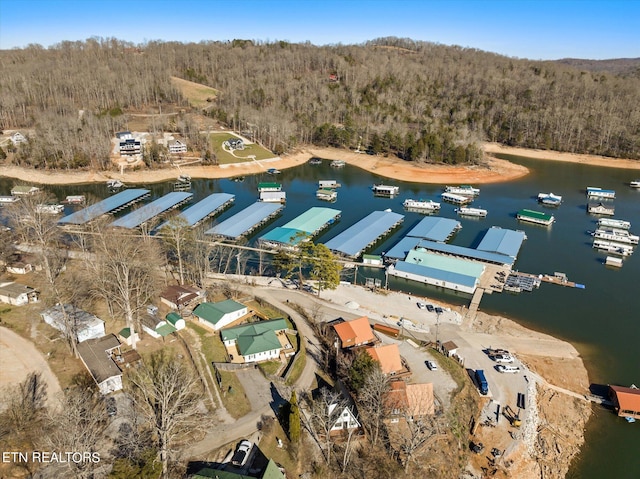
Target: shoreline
[494, 170]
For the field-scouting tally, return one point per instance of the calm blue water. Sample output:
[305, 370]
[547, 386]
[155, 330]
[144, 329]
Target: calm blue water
[602, 321]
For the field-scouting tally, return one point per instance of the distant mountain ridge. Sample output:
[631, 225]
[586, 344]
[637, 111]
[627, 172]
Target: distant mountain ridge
[615, 66]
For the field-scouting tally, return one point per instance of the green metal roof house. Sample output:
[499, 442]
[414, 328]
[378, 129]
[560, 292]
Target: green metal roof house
[256, 341]
[221, 314]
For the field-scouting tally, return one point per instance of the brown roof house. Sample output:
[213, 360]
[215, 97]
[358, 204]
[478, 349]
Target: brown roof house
[389, 358]
[178, 297]
[409, 401]
[98, 357]
[356, 332]
[626, 401]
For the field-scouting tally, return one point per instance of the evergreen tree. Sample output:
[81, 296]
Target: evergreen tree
[294, 419]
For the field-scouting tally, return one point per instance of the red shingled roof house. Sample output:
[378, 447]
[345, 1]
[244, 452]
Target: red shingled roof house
[626, 401]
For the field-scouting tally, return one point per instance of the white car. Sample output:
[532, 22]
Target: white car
[508, 369]
[242, 453]
[503, 358]
[421, 305]
[431, 365]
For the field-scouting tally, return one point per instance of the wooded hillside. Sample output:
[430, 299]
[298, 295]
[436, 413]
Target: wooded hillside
[422, 101]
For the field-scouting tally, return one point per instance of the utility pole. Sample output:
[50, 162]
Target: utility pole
[437, 330]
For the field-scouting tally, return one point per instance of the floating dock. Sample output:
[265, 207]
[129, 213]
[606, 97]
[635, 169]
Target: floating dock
[435, 229]
[113, 204]
[535, 217]
[203, 209]
[305, 226]
[594, 192]
[149, 211]
[456, 199]
[269, 186]
[354, 240]
[245, 221]
[502, 241]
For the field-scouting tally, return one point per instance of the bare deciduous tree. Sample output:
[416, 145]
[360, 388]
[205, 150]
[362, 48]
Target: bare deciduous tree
[372, 399]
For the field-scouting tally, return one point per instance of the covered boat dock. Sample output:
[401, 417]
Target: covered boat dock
[155, 208]
[502, 241]
[246, 220]
[467, 253]
[429, 228]
[205, 208]
[113, 204]
[307, 225]
[355, 239]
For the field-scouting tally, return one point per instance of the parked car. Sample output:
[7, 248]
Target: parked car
[439, 310]
[242, 453]
[503, 358]
[430, 308]
[421, 305]
[431, 365]
[507, 369]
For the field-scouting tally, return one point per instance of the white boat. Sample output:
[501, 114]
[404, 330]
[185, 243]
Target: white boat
[114, 184]
[7, 200]
[385, 190]
[594, 192]
[456, 199]
[613, 223]
[428, 205]
[75, 200]
[620, 236]
[338, 163]
[600, 209]
[50, 209]
[466, 211]
[612, 247]
[634, 184]
[466, 190]
[273, 171]
[327, 194]
[549, 199]
[613, 261]
[328, 184]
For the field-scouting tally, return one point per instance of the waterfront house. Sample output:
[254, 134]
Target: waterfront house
[234, 144]
[221, 314]
[99, 355]
[255, 342]
[344, 420]
[177, 146]
[179, 297]
[388, 356]
[408, 402]
[17, 294]
[83, 324]
[24, 190]
[130, 146]
[626, 401]
[356, 332]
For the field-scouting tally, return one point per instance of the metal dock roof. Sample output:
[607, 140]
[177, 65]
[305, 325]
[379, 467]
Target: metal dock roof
[283, 235]
[115, 202]
[244, 221]
[436, 273]
[151, 210]
[314, 219]
[204, 208]
[435, 229]
[402, 248]
[356, 238]
[503, 241]
[471, 253]
[445, 263]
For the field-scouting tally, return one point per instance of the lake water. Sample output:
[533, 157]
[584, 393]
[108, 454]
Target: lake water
[602, 321]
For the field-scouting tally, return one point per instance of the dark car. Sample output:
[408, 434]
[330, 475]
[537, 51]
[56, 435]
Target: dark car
[439, 310]
[430, 308]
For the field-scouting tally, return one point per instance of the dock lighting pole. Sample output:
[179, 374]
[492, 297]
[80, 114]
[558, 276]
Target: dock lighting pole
[437, 329]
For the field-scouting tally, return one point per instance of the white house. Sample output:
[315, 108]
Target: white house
[177, 146]
[344, 420]
[98, 357]
[86, 325]
[256, 342]
[221, 314]
[17, 294]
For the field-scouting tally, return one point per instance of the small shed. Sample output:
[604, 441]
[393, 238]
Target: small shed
[126, 337]
[372, 259]
[450, 348]
[17, 294]
[156, 327]
[175, 320]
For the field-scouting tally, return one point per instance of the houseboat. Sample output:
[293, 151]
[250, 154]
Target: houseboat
[612, 247]
[535, 217]
[619, 236]
[53, 209]
[385, 190]
[600, 209]
[273, 196]
[455, 199]
[613, 223]
[183, 183]
[24, 190]
[634, 184]
[7, 200]
[315, 161]
[549, 199]
[75, 200]
[328, 184]
[466, 211]
[327, 194]
[594, 192]
[613, 261]
[466, 190]
[114, 184]
[273, 171]
[426, 205]
[338, 163]
[269, 187]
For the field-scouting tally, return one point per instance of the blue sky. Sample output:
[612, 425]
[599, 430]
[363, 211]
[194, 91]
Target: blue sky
[534, 29]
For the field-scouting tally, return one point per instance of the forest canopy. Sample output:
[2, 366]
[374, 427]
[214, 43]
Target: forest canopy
[418, 100]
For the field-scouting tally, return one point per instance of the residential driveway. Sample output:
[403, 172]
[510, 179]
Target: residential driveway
[258, 389]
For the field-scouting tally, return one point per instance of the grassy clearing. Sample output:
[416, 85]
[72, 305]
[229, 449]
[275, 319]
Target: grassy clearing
[270, 367]
[196, 93]
[224, 157]
[269, 447]
[233, 396]
[299, 361]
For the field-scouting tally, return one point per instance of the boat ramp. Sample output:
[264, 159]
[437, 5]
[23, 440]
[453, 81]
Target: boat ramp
[365, 233]
[246, 221]
[149, 211]
[203, 209]
[113, 204]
